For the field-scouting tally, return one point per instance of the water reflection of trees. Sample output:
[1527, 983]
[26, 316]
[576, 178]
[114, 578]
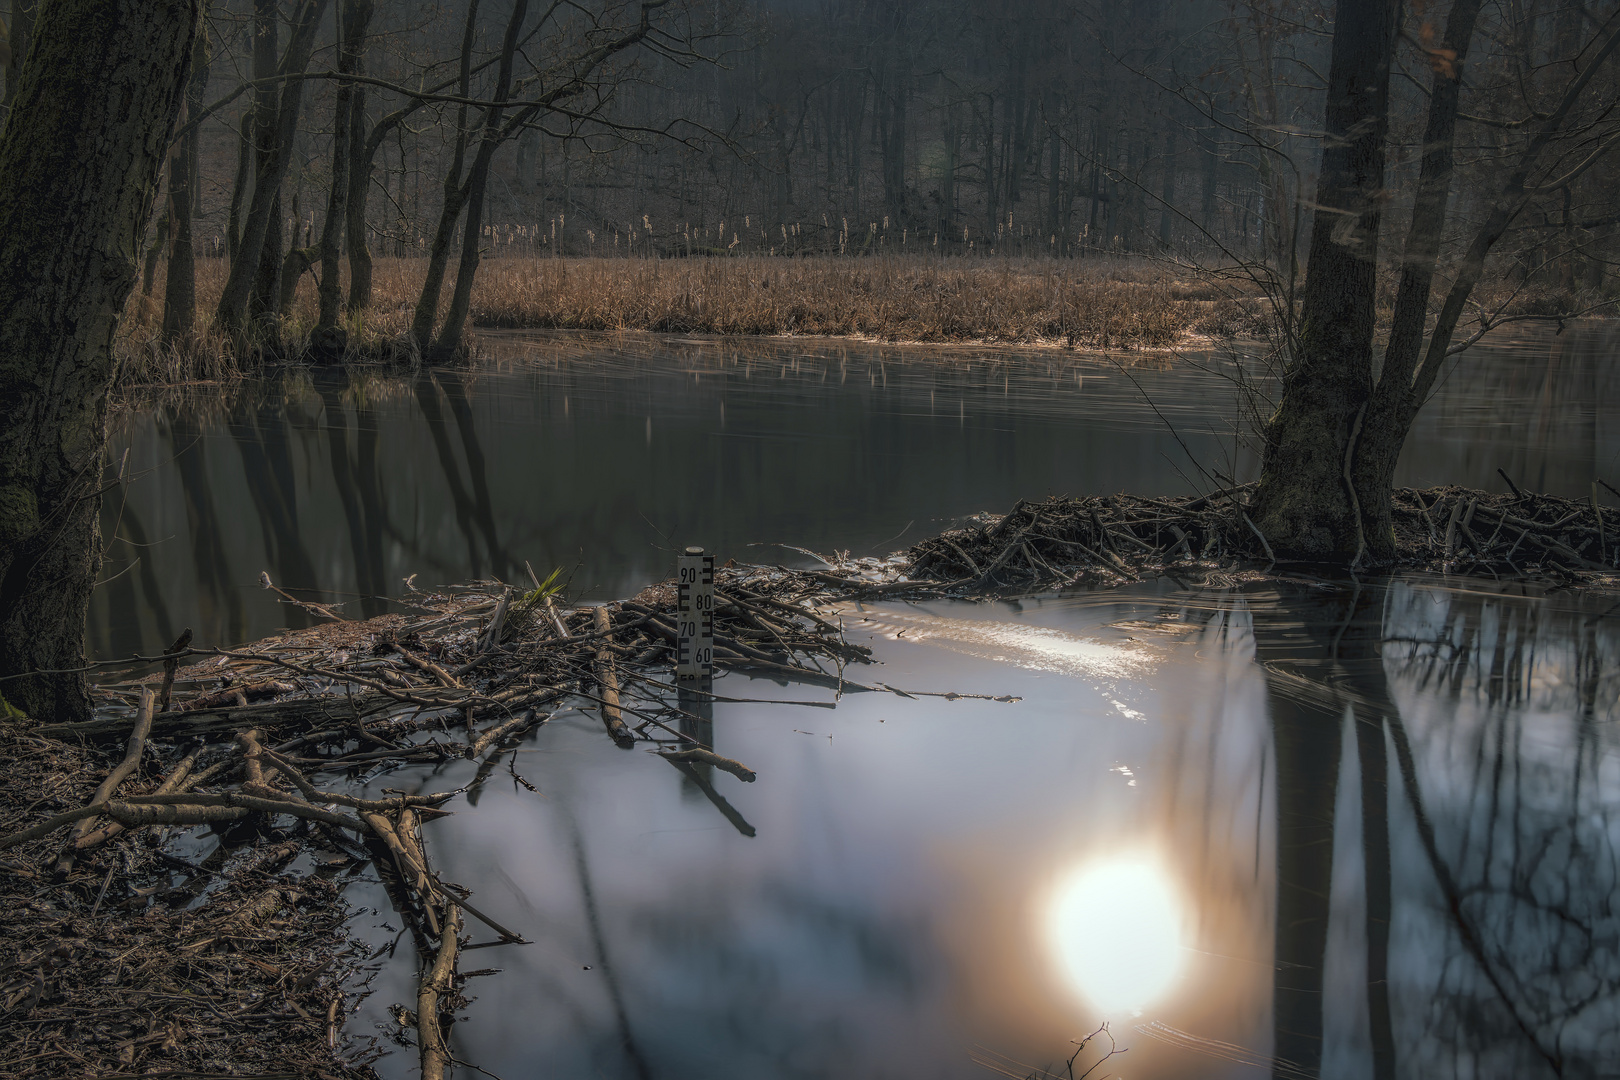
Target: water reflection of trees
[286, 431]
[1488, 853]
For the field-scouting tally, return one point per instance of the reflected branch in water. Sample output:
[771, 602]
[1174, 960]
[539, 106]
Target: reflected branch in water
[208, 546]
[427, 398]
[593, 919]
[357, 486]
[258, 426]
[728, 811]
[455, 392]
[1469, 934]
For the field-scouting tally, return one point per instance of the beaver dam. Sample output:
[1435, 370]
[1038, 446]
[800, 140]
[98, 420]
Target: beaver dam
[125, 956]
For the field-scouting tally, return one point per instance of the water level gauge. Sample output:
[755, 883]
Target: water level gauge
[694, 595]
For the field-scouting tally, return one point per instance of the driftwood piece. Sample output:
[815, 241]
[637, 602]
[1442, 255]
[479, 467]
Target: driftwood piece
[171, 782]
[608, 680]
[436, 984]
[120, 772]
[422, 663]
[709, 757]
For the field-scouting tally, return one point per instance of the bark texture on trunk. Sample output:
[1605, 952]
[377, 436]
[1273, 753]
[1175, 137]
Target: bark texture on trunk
[1305, 505]
[1394, 405]
[79, 162]
[22, 32]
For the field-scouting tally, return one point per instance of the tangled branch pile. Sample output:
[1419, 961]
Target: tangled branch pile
[1063, 542]
[128, 956]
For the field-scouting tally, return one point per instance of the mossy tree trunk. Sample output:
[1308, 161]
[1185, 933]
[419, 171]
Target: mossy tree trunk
[79, 161]
[1304, 505]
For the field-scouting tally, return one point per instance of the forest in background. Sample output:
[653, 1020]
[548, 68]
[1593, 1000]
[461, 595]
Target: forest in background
[1181, 131]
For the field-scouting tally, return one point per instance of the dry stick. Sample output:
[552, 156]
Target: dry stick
[966, 558]
[735, 659]
[608, 680]
[436, 982]
[171, 782]
[519, 723]
[709, 757]
[497, 622]
[1000, 560]
[423, 664]
[412, 872]
[398, 802]
[1451, 528]
[551, 609]
[405, 829]
[131, 762]
[170, 666]
[1548, 542]
[1263, 542]
[793, 609]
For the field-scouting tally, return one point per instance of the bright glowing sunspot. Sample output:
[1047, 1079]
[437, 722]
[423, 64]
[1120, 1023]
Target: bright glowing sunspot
[1116, 931]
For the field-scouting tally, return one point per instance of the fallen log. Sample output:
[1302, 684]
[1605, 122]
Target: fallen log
[608, 680]
[436, 984]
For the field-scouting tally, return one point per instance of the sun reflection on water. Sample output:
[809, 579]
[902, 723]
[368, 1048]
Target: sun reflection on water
[1115, 931]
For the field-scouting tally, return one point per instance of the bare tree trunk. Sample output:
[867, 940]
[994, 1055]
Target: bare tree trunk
[427, 304]
[79, 162]
[352, 20]
[263, 300]
[1391, 409]
[1304, 505]
[360, 158]
[180, 287]
[272, 169]
[239, 189]
[1405, 381]
[448, 343]
[1167, 197]
[1212, 164]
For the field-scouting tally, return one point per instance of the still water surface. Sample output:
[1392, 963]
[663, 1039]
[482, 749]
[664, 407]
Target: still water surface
[940, 888]
[600, 455]
[1199, 824]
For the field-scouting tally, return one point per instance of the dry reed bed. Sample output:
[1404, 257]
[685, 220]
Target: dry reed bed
[1077, 304]
[1098, 303]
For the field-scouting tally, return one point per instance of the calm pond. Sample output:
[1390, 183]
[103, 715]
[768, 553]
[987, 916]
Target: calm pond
[919, 886]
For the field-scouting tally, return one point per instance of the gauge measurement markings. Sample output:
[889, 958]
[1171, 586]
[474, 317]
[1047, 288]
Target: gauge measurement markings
[694, 594]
